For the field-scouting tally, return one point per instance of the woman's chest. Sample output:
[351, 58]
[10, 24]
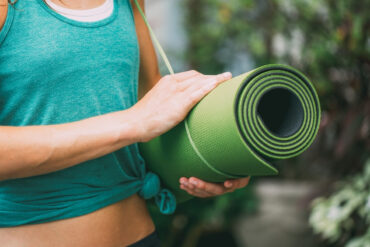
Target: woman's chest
[40, 47]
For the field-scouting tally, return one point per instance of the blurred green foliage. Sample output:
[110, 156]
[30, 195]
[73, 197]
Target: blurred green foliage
[343, 217]
[193, 218]
[328, 40]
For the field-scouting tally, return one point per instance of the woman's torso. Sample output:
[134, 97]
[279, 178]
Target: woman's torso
[52, 71]
[117, 225]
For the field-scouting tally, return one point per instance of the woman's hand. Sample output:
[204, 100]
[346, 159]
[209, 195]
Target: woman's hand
[170, 100]
[199, 188]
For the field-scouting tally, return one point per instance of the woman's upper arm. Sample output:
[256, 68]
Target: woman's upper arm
[149, 72]
[3, 12]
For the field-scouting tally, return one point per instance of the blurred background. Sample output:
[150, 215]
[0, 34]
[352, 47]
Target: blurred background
[321, 198]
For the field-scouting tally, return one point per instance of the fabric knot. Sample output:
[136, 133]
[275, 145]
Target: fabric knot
[164, 198]
[151, 186]
[166, 201]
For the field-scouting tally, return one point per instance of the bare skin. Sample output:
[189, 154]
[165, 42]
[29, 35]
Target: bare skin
[164, 103]
[3, 12]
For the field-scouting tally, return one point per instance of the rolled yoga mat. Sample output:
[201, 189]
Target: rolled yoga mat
[237, 130]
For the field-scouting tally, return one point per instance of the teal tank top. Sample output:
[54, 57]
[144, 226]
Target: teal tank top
[56, 70]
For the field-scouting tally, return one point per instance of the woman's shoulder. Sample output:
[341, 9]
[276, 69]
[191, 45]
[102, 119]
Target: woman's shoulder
[3, 12]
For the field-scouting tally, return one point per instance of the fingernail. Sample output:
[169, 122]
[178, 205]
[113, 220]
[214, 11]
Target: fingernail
[194, 182]
[226, 74]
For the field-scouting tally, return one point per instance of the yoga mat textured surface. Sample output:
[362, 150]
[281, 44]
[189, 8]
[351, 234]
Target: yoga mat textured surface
[238, 129]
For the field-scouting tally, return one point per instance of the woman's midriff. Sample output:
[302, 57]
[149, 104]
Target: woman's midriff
[119, 224]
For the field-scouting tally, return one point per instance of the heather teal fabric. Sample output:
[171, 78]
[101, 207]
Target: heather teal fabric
[55, 70]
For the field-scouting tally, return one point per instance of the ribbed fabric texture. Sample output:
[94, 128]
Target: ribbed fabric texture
[55, 70]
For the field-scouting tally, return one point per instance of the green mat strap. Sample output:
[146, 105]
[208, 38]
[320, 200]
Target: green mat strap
[155, 40]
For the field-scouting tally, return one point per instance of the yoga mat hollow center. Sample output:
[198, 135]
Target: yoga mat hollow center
[238, 129]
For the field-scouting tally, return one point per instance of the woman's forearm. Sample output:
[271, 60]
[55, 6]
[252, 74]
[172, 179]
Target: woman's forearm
[35, 150]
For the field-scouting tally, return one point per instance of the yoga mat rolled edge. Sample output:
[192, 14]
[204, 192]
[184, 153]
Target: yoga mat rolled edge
[184, 145]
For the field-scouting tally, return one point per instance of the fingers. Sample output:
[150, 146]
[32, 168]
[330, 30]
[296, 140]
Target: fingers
[201, 80]
[211, 82]
[193, 81]
[200, 188]
[194, 187]
[194, 192]
[185, 75]
[237, 183]
[200, 86]
[197, 85]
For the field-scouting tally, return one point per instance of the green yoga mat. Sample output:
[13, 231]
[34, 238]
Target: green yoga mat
[238, 129]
